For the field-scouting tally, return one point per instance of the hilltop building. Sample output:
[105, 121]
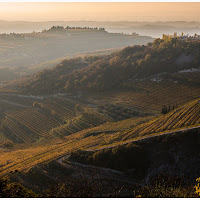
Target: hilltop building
[181, 36]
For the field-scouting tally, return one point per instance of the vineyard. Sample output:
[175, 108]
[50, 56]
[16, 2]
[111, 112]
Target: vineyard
[185, 116]
[151, 96]
[86, 118]
[16, 132]
[31, 119]
[64, 112]
[47, 118]
[25, 159]
[113, 127]
[126, 130]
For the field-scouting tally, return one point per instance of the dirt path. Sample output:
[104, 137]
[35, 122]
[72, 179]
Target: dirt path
[14, 104]
[89, 166]
[98, 172]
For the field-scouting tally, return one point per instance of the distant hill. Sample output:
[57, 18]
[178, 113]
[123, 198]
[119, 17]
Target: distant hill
[153, 29]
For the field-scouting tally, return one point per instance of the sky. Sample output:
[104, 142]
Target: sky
[133, 11]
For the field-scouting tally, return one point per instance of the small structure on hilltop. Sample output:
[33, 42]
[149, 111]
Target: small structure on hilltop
[181, 37]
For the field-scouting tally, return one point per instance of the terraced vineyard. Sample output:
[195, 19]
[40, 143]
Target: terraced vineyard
[62, 111]
[134, 128]
[19, 134]
[113, 127]
[187, 116]
[86, 118]
[35, 121]
[49, 117]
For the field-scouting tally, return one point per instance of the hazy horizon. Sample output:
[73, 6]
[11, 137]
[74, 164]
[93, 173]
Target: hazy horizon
[99, 21]
[99, 11]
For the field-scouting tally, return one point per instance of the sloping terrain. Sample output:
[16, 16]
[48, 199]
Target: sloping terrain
[45, 118]
[121, 70]
[24, 50]
[150, 96]
[27, 157]
[182, 118]
[173, 154]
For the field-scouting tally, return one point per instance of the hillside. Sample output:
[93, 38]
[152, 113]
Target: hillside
[20, 51]
[121, 132]
[23, 158]
[46, 129]
[94, 138]
[153, 29]
[45, 118]
[173, 154]
[120, 69]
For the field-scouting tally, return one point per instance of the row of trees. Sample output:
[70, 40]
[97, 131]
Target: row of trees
[166, 109]
[52, 29]
[62, 28]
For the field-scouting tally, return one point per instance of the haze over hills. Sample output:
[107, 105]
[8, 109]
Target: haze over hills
[28, 50]
[144, 28]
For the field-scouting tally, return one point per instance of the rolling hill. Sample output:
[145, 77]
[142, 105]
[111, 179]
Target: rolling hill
[20, 51]
[119, 70]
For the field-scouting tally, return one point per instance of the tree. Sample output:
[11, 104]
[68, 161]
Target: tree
[8, 143]
[36, 105]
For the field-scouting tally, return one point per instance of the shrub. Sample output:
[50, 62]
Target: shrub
[165, 186]
[197, 187]
[14, 190]
[9, 143]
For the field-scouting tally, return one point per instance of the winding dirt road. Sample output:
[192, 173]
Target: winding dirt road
[98, 172]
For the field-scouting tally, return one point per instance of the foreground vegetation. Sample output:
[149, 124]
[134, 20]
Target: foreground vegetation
[139, 161]
[14, 190]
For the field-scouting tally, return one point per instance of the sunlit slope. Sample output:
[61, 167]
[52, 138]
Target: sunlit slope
[182, 117]
[26, 158]
[111, 128]
[89, 118]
